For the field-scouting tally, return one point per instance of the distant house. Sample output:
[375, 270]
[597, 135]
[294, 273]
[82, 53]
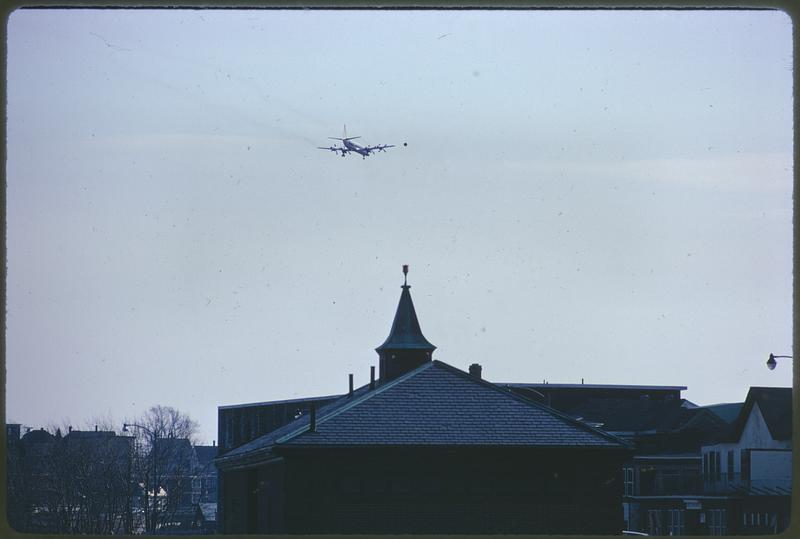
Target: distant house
[425, 448]
[29, 479]
[177, 466]
[205, 487]
[188, 477]
[749, 470]
[663, 479]
[715, 470]
[205, 521]
[78, 483]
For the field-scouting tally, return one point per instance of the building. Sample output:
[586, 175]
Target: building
[187, 478]
[206, 475]
[78, 483]
[701, 477]
[424, 448]
[748, 471]
[664, 476]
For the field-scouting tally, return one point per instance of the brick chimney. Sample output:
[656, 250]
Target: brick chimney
[475, 370]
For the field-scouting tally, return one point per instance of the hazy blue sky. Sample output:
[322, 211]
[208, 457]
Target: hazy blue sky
[596, 195]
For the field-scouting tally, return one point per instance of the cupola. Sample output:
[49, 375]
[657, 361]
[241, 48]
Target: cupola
[406, 348]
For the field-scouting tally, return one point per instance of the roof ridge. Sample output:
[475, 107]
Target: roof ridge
[366, 396]
[525, 400]
[279, 401]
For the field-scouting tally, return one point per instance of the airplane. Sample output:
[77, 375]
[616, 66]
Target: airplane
[348, 146]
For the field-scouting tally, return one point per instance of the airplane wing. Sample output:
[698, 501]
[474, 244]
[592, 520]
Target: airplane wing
[379, 147]
[335, 149]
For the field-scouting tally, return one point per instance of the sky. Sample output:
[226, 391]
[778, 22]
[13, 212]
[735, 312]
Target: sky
[581, 196]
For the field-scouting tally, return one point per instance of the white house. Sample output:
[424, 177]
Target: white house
[751, 467]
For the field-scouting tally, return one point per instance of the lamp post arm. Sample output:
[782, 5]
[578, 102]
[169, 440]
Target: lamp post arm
[771, 363]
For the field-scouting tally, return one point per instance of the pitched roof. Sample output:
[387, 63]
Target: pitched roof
[38, 436]
[178, 454]
[433, 405]
[406, 333]
[728, 412]
[272, 403]
[621, 387]
[775, 404]
[205, 453]
[90, 434]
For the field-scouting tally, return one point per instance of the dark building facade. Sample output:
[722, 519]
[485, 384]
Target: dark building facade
[425, 448]
[664, 487]
[702, 472]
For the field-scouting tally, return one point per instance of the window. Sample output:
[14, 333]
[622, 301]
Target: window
[647, 481]
[628, 481]
[711, 470]
[717, 525]
[744, 456]
[730, 464]
[676, 522]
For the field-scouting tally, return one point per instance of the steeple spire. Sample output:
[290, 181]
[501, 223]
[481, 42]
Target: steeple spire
[405, 348]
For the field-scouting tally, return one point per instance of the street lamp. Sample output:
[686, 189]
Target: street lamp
[771, 361]
[154, 437]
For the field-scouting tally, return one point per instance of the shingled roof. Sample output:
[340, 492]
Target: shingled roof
[205, 454]
[433, 405]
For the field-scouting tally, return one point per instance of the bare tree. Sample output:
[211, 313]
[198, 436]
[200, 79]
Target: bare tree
[165, 463]
[78, 483]
[20, 485]
[66, 480]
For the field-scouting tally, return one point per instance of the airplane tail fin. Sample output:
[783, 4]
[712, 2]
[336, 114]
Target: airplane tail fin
[344, 135]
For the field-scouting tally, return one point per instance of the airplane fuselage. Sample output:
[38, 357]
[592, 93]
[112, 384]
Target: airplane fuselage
[352, 146]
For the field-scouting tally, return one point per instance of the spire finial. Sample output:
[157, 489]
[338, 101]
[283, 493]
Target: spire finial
[405, 274]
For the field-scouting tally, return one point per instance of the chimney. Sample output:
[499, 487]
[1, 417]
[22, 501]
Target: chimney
[95, 428]
[475, 370]
[350, 393]
[213, 443]
[372, 377]
[312, 418]
[70, 428]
